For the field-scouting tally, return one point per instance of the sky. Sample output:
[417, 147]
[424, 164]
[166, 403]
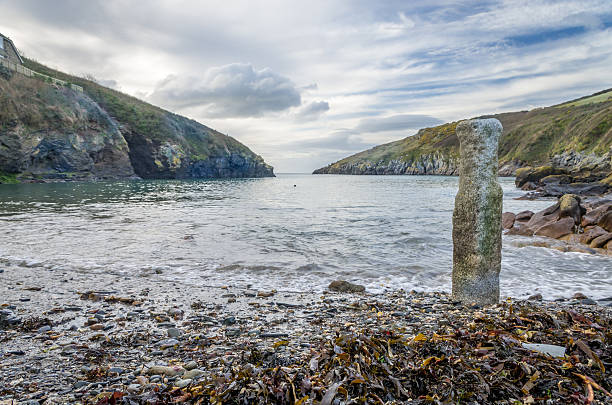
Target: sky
[306, 83]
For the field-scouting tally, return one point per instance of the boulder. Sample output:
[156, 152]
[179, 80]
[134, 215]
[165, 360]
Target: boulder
[535, 174]
[593, 216]
[345, 286]
[591, 233]
[601, 241]
[556, 229]
[557, 190]
[524, 216]
[520, 229]
[508, 220]
[544, 217]
[569, 206]
[606, 221]
[556, 179]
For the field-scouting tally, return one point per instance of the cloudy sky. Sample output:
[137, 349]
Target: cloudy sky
[305, 83]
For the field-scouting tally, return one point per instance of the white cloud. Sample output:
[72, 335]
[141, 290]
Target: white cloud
[235, 90]
[372, 62]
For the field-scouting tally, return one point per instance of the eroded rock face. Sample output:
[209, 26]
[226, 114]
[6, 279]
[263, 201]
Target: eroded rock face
[508, 219]
[477, 214]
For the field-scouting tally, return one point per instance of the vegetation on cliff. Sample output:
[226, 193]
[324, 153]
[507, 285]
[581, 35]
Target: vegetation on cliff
[49, 131]
[582, 126]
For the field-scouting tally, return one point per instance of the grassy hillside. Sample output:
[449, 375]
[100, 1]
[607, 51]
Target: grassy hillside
[529, 137]
[49, 131]
[146, 118]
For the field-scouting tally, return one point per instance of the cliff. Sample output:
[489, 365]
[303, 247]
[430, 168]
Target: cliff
[53, 132]
[575, 134]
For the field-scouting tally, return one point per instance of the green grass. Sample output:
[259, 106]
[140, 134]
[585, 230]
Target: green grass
[532, 137]
[8, 178]
[597, 98]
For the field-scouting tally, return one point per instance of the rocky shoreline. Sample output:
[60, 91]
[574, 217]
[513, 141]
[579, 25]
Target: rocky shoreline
[109, 339]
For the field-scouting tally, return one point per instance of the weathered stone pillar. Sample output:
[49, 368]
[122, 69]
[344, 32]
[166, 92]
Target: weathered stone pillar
[477, 215]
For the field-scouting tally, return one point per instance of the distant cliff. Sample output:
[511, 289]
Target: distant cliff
[574, 134]
[53, 132]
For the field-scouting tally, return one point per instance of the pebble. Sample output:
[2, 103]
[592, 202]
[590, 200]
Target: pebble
[174, 332]
[80, 384]
[164, 344]
[44, 329]
[232, 332]
[588, 301]
[195, 373]
[168, 371]
[134, 388]
[191, 365]
[230, 320]
[183, 383]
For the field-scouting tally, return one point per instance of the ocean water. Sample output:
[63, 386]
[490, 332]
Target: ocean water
[295, 232]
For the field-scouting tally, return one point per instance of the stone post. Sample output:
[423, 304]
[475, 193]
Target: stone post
[477, 215]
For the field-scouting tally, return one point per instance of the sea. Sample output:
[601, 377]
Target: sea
[295, 232]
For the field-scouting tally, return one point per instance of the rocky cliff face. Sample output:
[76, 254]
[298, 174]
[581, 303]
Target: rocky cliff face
[434, 163]
[50, 132]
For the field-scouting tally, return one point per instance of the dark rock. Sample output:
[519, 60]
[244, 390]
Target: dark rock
[232, 332]
[535, 174]
[579, 296]
[345, 286]
[588, 301]
[569, 206]
[556, 229]
[584, 189]
[601, 241]
[593, 216]
[606, 221]
[508, 219]
[556, 179]
[524, 216]
[535, 297]
[230, 320]
[591, 234]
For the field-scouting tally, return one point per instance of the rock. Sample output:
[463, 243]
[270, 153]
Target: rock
[591, 234]
[176, 313]
[551, 350]
[115, 370]
[230, 320]
[557, 229]
[588, 301]
[524, 216]
[44, 329]
[477, 214]
[174, 332]
[534, 175]
[165, 344]
[606, 221]
[190, 366]
[579, 296]
[508, 219]
[345, 286]
[133, 388]
[535, 297]
[601, 240]
[592, 217]
[232, 332]
[544, 217]
[167, 371]
[182, 383]
[585, 189]
[80, 384]
[556, 179]
[569, 206]
[193, 374]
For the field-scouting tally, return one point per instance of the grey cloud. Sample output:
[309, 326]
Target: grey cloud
[235, 90]
[343, 140]
[313, 109]
[397, 123]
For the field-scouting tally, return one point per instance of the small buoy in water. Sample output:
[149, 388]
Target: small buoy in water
[294, 185]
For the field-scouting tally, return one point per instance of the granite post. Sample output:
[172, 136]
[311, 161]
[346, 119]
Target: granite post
[477, 216]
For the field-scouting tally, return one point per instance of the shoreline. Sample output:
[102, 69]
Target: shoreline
[79, 340]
